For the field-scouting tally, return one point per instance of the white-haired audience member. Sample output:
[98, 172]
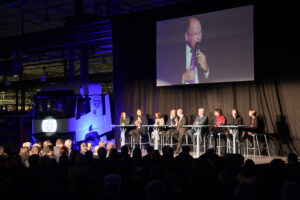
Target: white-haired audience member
[27, 144]
[68, 144]
[90, 146]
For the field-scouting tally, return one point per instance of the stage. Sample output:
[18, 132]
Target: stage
[257, 160]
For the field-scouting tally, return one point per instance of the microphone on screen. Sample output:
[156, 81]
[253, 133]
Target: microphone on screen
[197, 53]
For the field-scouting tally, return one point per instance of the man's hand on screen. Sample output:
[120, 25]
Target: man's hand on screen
[188, 75]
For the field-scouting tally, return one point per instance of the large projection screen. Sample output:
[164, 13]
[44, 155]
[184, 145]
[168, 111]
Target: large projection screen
[206, 48]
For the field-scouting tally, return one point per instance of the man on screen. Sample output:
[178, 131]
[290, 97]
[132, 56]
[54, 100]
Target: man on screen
[196, 63]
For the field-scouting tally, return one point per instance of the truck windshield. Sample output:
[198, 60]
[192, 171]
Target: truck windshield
[58, 106]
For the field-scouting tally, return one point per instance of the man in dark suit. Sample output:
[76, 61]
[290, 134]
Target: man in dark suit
[172, 124]
[201, 119]
[139, 121]
[180, 130]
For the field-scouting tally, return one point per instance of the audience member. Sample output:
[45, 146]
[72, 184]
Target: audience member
[113, 175]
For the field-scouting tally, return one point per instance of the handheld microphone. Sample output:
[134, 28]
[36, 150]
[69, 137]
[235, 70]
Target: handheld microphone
[197, 53]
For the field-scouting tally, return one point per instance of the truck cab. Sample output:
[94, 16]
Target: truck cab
[76, 111]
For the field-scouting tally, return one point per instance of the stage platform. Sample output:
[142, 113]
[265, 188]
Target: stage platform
[257, 160]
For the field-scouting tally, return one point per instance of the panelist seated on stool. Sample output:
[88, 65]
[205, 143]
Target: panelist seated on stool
[159, 121]
[218, 120]
[139, 121]
[254, 127]
[235, 120]
[124, 120]
[180, 131]
[201, 119]
[172, 124]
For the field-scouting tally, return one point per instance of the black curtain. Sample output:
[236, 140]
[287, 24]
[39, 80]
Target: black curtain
[275, 93]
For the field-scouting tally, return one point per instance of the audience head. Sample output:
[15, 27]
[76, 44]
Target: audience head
[156, 189]
[201, 111]
[24, 151]
[2, 152]
[46, 143]
[90, 146]
[88, 156]
[102, 144]
[244, 191]
[112, 187]
[292, 158]
[113, 153]
[64, 151]
[33, 160]
[110, 146]
[35, 150]
[83, 147]
[59, 142]
[27, 144]
[150, 149]
[290, 191]
[40, 144]
[186, 150]
[102, 153]
[49, 150]
[137, 153]
[124, 150]
[168, 152]
[68, 143]
[218, 111]
[156, 155]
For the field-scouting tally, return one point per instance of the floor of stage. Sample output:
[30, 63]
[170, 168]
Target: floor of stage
[257, 160]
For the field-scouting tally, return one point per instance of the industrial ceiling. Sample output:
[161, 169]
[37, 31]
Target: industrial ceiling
[28, 17]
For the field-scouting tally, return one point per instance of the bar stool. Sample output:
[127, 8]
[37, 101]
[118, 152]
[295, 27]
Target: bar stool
[131, 143]
[219, 146]
[186, 141]
[256, 144]
[202, 142]
[141, 138]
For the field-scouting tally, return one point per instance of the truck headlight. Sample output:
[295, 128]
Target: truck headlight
[49, 125]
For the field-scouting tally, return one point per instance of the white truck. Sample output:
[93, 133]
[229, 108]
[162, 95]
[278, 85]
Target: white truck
[73, 110]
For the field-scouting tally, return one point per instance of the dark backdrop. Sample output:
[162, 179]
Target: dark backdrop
[275, 93]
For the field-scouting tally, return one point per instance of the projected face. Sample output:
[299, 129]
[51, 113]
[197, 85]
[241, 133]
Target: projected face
[194, 32]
